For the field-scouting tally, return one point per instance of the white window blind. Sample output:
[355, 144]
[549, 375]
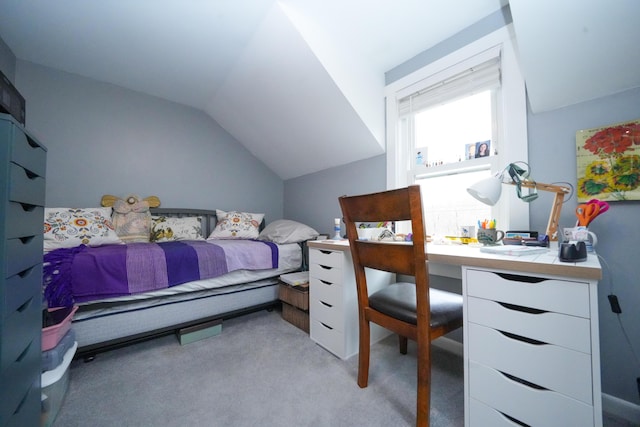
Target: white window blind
[485, 75]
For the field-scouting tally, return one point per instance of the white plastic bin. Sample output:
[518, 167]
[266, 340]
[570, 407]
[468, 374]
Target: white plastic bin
[55, 384]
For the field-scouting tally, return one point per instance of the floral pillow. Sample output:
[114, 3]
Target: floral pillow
[237, 225]
[70, 227]
[168, 229]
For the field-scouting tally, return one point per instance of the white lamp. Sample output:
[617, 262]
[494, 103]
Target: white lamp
[488, 191]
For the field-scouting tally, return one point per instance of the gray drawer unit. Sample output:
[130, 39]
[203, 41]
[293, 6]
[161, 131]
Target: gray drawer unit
[22, 199]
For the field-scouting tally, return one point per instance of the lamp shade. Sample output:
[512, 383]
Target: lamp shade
[487, 191]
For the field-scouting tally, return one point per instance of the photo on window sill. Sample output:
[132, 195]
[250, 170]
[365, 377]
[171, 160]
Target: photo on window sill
[478, 149]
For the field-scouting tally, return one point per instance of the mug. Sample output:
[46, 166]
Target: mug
[468, 231]
[580, 234]
[490, 236]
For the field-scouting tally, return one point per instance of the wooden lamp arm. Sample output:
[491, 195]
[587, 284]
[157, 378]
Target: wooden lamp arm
[556, 208]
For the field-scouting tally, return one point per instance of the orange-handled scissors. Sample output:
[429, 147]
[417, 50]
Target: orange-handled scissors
[604, 206]
[586, 212]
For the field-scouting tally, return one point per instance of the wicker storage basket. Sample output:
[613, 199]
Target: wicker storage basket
[295, 305]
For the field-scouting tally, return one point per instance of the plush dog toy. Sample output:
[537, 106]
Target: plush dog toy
[131, 216]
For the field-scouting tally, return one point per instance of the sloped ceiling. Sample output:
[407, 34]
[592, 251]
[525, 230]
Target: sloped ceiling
[575, 50]
[299, 83]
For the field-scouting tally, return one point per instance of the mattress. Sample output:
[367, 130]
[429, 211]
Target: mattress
[289, 259]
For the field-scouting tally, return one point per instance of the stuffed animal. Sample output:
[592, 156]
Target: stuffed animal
[131, 216]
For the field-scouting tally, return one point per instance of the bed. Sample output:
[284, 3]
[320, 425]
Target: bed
[121, 316]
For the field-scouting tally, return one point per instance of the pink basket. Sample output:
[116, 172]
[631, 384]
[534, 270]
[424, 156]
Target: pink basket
[51, 335]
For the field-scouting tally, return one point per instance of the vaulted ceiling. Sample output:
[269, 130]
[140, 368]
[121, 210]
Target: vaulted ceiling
[299, 83]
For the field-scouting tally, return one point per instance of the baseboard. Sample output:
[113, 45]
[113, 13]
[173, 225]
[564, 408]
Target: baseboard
[449, 345]
[621, 408]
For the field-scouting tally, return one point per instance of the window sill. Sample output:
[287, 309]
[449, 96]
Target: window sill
[462, 166]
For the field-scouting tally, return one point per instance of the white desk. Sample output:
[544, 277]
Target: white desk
[531, 340]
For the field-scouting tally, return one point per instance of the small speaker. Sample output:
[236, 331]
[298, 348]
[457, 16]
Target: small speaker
[11, 102]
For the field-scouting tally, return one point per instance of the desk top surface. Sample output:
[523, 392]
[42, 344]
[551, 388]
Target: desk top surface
[471, 256]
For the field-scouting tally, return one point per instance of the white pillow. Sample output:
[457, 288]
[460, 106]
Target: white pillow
[168, 229]
[70, 227]
[236, 225]
[284, 231]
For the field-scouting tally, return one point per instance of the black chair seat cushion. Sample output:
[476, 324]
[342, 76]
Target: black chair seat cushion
[399, 300]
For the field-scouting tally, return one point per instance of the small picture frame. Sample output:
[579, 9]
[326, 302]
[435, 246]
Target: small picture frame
[470, 151]
[483, 149]
[421, 156]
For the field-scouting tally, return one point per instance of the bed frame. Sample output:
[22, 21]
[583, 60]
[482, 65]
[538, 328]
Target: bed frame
[104, 332]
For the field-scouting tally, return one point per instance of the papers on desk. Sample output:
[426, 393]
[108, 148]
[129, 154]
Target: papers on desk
[514, 250]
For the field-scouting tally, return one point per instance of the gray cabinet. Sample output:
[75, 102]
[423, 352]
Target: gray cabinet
[22, 198]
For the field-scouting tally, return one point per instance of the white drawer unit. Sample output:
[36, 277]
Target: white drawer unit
[531, 350]
[333, 302]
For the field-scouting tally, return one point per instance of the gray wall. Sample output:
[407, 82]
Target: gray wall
[313, 199]
[552, 158]
[7, 61]
[552, 154]
[104, 139]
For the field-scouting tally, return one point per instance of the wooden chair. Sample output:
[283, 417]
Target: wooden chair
[413, 311]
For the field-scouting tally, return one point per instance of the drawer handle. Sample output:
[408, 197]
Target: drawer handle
[515, 307]
[326, 326]
[27, 207]
[26, 240]
[325, 252]
[326, 304]
[26, 305]
[32, 143]
[325, 267]
[30, 175]
[523, 382]
[518, 278]
[24, 353]
[26, 273]
[514, 420]
[521, 338]
[21, 404]
[326, 283]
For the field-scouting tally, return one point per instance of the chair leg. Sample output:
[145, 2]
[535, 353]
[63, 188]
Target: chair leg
[363, 356]
[424, 384]
[403, 344]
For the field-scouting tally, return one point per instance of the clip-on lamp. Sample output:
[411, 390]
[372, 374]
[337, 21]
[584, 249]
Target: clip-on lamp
[488, 191]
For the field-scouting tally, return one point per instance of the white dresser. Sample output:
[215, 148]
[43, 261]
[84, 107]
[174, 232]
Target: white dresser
[333, 302]
[531, 350]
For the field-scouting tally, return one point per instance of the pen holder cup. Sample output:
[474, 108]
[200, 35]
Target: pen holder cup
[572, 252]
[490, 236]
[580, 234]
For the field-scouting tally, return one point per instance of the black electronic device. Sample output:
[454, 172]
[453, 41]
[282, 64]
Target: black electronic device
[11, 102]
[525, 237]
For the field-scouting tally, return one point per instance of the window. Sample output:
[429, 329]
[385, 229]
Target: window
[454, 122]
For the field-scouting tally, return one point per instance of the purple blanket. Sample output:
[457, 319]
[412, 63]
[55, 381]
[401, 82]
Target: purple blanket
[90, 273]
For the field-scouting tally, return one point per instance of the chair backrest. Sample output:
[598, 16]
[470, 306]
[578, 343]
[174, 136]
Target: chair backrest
[408, 258]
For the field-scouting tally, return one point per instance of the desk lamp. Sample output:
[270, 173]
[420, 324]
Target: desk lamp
[488, 191]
